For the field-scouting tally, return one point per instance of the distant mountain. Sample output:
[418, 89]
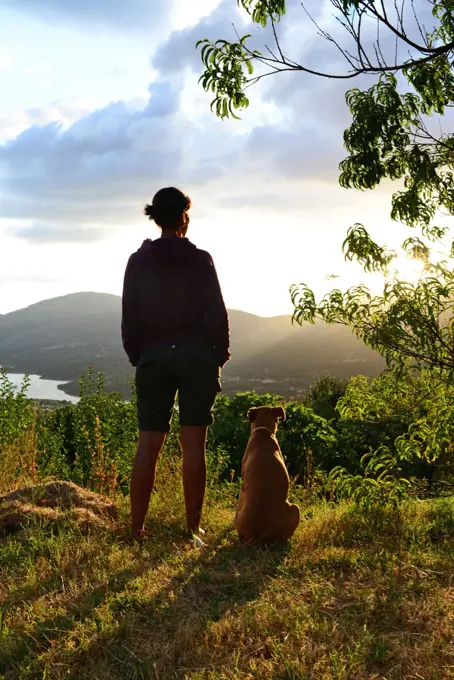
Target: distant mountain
[59, 338]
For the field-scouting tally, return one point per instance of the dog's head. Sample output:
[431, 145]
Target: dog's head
[266, 416]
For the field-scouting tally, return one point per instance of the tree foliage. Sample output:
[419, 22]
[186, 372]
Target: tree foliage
[262, 11]
[411, 325]
[16, 414]
[422, 408]
[303, 429]
[389, 136]
[397, 133]
[423, 55]
[398, 429]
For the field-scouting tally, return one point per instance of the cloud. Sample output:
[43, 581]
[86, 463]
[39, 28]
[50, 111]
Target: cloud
[179, 51]
[299, 151]
[62, 111]
[112, 143]
[32, 278]
[279, 198]
[103, 167]
[309, 141]
[7, 60]
[130, 14]
[69, 181]
[296, 32]
[100, 169]
[45, 234]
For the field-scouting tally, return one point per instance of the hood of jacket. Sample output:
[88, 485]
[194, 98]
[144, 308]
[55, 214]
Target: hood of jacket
[167, 247]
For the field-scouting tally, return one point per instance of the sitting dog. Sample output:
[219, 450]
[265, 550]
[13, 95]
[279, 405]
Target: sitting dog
[264, 513]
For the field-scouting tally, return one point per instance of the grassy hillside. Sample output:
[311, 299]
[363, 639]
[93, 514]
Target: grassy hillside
[300, 356]
[59, 338]
[361, 591]
[54, 338]
[343, 600]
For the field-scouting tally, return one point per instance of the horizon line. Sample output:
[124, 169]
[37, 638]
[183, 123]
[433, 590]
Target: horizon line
[114, 295]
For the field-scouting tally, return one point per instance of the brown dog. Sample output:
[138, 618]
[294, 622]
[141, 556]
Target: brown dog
[264, 513]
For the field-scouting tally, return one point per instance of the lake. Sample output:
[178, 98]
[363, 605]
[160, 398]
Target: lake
[42, 389]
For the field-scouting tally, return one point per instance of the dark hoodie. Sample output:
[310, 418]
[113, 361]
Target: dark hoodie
[171, 294]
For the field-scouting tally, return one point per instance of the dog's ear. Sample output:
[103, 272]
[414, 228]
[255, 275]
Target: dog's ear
[280, 413]
[252, 415]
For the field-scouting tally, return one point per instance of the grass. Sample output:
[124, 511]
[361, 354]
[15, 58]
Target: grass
[344, 599]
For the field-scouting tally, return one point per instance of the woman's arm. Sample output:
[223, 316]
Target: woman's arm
[216, 315]
[130, 313]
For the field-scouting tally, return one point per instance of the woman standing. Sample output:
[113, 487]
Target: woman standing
[175, 331]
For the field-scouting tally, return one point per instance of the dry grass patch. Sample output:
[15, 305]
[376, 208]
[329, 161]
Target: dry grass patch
[64, 495]
[55, 503]
[19, 460]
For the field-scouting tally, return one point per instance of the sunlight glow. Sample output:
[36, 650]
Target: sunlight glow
[407, 269]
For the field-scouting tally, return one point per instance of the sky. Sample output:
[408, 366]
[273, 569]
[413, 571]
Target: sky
[100, 107]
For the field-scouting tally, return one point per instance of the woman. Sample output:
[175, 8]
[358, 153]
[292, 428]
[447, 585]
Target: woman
[175, 331]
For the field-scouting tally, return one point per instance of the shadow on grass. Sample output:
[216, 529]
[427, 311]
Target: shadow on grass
[202, 587]
[18, 645]
[360, 596]
[154, 636]
[173, 634]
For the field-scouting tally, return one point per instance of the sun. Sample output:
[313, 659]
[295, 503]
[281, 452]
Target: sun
[407, 269]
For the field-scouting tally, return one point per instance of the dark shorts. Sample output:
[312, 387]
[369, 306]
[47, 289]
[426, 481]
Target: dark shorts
[189, 368]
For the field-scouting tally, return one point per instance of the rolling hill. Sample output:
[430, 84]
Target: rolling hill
[59, 338]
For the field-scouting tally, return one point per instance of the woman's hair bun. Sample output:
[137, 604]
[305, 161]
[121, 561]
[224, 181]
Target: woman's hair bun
[168, 205]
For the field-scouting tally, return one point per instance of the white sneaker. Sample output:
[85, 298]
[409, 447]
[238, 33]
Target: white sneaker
[198, 542]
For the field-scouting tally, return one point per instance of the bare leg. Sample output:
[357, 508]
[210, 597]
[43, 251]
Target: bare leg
[193, 442]
[143, 477]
